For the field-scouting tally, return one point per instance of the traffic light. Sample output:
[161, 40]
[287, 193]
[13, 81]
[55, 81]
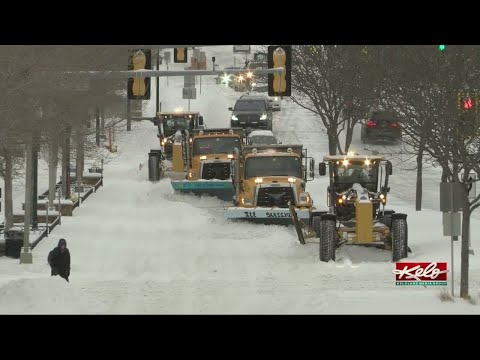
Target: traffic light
[180, 55]
[280, 56]
[466, 103]
[139, 88]
[441, 47]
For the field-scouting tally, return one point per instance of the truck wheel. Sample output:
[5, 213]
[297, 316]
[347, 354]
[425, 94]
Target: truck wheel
[316, 223]
[325, 230]
[387, 218]
[399, 237]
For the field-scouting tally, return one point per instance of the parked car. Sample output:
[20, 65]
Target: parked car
[252, 111]
[275, 103]
[381, 127]
[259, 86]
[261, 137]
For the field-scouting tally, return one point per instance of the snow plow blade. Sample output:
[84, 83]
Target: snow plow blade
[265, 215]
[221, 189]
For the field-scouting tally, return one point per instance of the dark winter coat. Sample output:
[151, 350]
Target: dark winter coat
[60, 261]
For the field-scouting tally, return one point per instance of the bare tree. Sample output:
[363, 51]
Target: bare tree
[428, 85]
[37, 79]
[337, 83]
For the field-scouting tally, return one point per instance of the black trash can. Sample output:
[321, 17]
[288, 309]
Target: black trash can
[154, 157]
[13, 243]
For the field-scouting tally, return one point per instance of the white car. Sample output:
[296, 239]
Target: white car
[275, 103]
[261, 137]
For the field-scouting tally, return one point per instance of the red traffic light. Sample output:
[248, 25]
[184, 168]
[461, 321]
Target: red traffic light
[468, 103]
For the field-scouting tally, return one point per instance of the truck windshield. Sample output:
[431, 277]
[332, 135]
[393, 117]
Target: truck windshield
[356, 172]
[171, 126]
[273, 166]
[215, 145]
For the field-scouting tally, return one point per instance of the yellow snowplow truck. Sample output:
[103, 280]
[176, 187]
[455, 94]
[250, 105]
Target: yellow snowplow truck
[357, 196]
[169, 123]
[207, 158]
[269, 180]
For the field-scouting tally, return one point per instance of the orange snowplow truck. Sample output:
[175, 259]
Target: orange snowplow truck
[269, 178]
[207, 160]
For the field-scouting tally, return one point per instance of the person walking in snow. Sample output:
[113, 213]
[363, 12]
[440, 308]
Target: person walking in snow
[59, 260]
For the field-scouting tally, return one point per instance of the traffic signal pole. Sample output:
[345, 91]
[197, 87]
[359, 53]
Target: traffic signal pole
[162, 73]
[157, 94]
[35, 148]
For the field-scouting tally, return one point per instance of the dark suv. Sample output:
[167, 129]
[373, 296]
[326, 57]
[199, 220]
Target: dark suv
[381, 127]
[252, 111]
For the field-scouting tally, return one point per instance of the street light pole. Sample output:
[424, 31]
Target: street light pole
[26, 253]
[157, 95]
[35, 147]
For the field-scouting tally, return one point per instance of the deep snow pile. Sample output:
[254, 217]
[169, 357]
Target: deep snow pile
[139, 248]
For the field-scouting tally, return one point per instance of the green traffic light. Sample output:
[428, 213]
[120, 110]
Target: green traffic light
[441, 47]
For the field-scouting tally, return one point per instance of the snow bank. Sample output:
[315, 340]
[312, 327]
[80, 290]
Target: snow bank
[62, 202]
[39, 212]
[92, 175]
[48, 295]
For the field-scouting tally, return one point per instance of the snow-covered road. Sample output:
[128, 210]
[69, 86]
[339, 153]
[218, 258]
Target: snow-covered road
[139, 248]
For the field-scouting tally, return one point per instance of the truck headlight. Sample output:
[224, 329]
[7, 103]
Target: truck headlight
[163, 142]
[191, 175]
[203, 157]
[292, 180]
[246, 201]
[263, 117]
[230, 156]
[304, 198]
[234, 118]
[258, 180]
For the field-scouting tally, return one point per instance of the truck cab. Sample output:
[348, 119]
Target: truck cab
[169, 123]
[207, 158]
[212, 153]
[269, 178]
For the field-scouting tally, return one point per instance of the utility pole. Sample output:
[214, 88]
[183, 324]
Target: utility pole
[157, 95]
[8, 207]
[26, 253]
[102, 121]
[97, 125]
[52, 168]
[67, 162]
[129, 121]
[79, 160]
[35, 149]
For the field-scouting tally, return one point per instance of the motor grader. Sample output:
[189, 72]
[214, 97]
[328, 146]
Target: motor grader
[356, 199]
[269, 183]
[170, 122]
[203, 160]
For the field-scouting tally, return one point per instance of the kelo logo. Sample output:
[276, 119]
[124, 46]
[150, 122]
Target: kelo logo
[421, 273]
